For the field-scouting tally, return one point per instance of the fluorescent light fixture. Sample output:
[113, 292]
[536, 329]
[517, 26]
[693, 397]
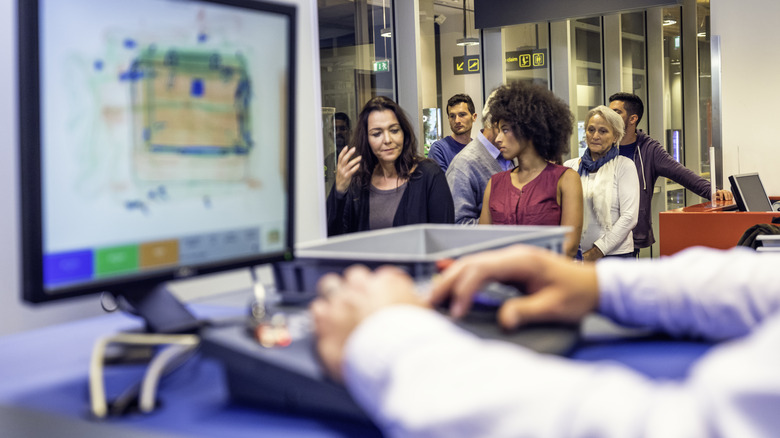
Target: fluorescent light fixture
[701, 34]
[668, 21]
[469, 41]
[386, 32]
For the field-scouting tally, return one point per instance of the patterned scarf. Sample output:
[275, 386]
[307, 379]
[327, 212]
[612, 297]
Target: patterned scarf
[587, 165]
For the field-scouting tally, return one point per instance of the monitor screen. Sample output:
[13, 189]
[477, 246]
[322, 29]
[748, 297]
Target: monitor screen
[749, 192]
[156, 141]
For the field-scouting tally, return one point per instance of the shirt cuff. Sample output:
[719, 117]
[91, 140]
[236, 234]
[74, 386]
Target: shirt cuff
[600, 245]
[606, 275]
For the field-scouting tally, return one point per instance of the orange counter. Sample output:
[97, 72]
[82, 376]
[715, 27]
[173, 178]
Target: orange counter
[705, 224]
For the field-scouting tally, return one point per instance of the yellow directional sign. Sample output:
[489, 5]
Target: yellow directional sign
[526, 59]
[465, 65]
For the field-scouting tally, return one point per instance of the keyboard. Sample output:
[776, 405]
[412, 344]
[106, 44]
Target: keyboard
[288, 376]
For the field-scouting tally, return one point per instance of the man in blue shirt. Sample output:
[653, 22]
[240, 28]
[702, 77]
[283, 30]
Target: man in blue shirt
[462, 115]
[470, 170]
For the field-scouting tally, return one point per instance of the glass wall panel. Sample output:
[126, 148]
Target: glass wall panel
[451, 63]
[673, 99]
[588, 70]
[356, 62]
[705, 83]
[633, 42]
[527, 53]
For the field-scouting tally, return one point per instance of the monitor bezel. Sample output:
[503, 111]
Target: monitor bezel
[738, 192]
[31, 253]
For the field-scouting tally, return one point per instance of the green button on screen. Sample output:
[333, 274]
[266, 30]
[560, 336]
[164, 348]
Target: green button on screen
[115, 260]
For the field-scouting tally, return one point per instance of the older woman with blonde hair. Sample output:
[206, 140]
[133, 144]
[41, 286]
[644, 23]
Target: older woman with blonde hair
[610, 188]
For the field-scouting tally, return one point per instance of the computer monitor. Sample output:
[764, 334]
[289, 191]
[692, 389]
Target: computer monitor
[156, 143]
[749, 192]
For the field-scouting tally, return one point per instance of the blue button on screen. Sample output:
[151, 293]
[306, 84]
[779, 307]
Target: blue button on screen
[67, 267]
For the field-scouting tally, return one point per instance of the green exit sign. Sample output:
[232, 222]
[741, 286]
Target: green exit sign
[383, 65]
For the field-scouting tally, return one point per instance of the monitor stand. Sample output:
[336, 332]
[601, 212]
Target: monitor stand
[161, 310]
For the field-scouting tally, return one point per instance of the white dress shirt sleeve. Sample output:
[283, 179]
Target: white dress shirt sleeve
[698, 292]
[418, 375]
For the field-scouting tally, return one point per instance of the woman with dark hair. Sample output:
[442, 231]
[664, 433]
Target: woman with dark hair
[611, 188]
[534, 128]
[381, 180]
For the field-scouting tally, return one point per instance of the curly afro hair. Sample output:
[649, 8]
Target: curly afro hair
[534, 113]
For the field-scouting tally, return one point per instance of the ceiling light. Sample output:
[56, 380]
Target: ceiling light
[386, 32]
[669, 20]
[466, 40]
[469, 41]
[701, 34]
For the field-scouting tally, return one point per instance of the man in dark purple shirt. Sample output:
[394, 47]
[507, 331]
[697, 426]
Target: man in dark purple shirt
[462, 115]
[652, 161]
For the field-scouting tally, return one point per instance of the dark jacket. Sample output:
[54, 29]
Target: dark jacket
[427, 199]
[652, 161]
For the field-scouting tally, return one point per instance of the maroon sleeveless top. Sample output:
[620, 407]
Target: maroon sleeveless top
[535, 204]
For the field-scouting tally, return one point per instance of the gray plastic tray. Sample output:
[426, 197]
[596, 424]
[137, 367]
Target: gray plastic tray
[415, 248]
[430, 242]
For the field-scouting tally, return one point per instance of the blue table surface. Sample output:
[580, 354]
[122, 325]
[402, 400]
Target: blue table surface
[46, 370]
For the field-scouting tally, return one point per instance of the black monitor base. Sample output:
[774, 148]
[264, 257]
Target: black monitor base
[161, 311]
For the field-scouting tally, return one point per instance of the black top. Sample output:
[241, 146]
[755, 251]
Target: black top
[627, 150]
[427, 199]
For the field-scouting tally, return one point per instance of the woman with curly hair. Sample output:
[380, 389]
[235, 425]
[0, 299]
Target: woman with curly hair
[534, 128]
[611, 187]
[381, 180]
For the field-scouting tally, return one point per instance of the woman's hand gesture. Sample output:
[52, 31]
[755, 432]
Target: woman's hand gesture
[346, 166]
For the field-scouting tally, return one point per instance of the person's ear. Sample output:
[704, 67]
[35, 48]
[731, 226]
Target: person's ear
[633, 118]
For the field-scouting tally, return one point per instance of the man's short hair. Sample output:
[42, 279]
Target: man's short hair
[461, 98]
[631, 103]
[344, 118]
